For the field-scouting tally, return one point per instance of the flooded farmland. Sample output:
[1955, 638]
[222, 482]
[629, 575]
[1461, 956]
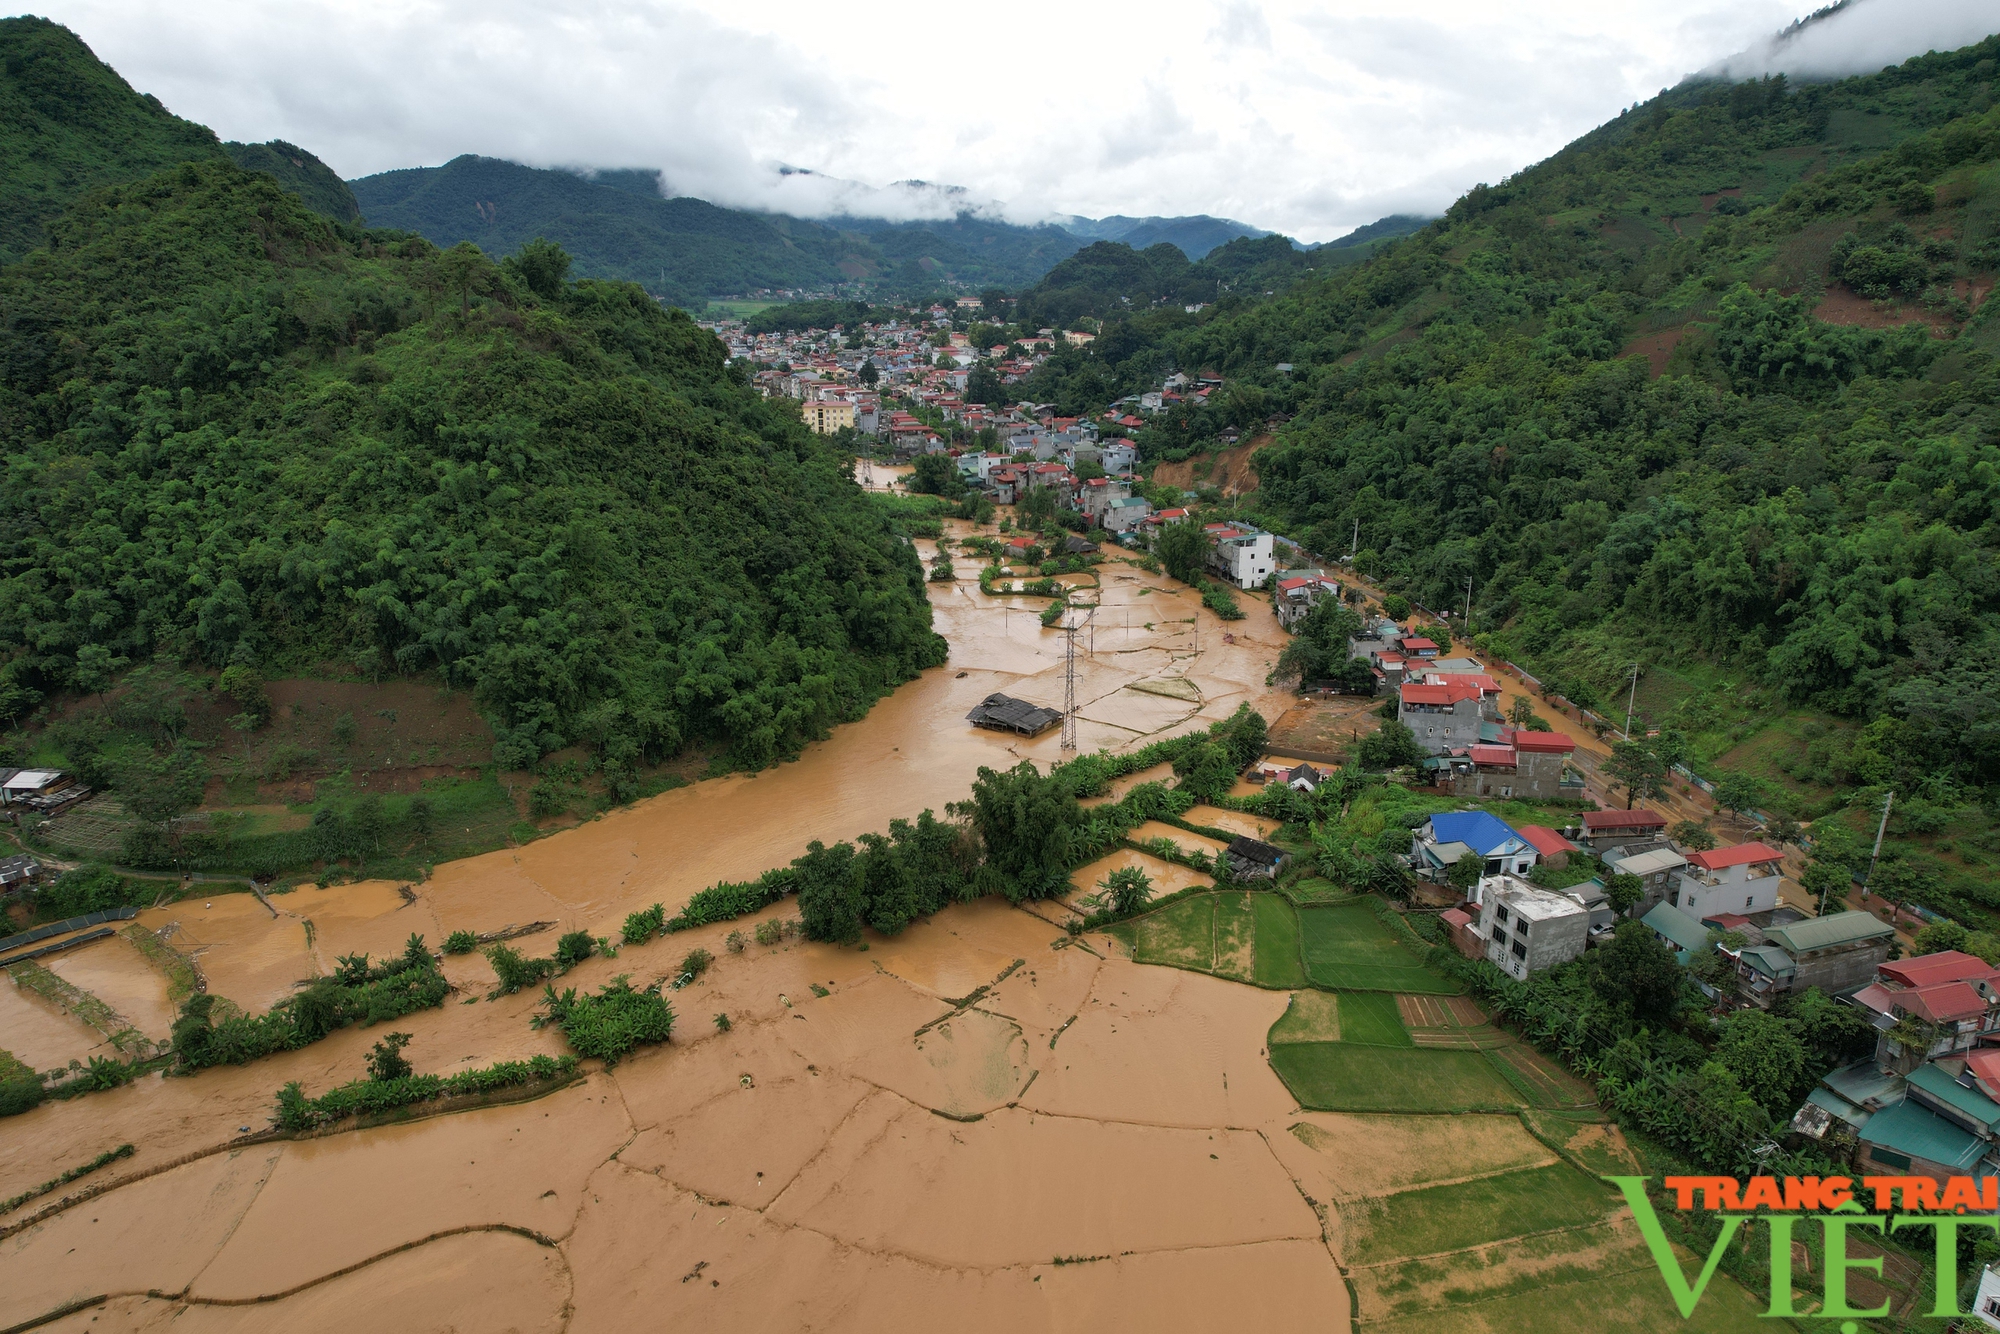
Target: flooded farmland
[1088, 1142]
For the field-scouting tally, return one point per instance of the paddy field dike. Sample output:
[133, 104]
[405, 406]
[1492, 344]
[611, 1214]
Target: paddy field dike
[1240, 1110]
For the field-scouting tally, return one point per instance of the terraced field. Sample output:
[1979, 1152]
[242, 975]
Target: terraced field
[1460, 1169]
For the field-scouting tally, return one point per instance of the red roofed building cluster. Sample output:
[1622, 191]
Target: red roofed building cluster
[1956, 993]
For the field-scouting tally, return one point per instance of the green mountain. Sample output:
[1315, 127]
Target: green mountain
[1111, 278]
[317, 184]
[619, 225]
[1714, 391]
[240, 435]
[68, 123]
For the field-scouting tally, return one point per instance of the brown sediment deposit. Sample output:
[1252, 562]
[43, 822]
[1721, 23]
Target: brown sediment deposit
[984, 1122]
[1235, 822]
[1180, 838]
[246, 954]
[113, 970]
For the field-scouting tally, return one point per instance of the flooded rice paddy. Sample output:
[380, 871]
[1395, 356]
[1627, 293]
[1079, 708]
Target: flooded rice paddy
[984, 1123]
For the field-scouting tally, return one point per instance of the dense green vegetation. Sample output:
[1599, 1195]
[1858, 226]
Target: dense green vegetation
[1788, 517]
[298, 171]
[211, 1031]
[373, 1096]
[69, 123]
[1110, 277]
[609, 1022]
[241, 436]
[620, 226]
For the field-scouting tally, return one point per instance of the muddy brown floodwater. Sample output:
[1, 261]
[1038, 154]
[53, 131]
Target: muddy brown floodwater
[984, 1123]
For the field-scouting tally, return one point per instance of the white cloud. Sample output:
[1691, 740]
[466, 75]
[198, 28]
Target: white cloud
[1304, 116]
[1865, 36]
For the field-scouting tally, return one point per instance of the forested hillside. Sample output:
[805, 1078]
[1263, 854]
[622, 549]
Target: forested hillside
[67, 123]
[1712, 390]
[303, 174]
[619, 225]
[240, 435]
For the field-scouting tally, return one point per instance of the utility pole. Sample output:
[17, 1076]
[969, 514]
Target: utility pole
[1632, 695]
[1069, 628]
[1880, 829]
[1468, 605]
[1354, 548]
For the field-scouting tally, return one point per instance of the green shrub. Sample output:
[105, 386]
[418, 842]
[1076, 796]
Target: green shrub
[297, 1112]
[610, 1023]
[515, 971]
[210, 1031]
[460, 942]
[693, 965]
[573, 948]
[644, 925]
[21, 1095]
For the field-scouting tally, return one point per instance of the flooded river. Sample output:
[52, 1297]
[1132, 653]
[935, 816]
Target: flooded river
[1088, 1145]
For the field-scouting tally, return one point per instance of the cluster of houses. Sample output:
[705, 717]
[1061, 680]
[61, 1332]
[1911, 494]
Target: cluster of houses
[42, 791]
[1927, 1100]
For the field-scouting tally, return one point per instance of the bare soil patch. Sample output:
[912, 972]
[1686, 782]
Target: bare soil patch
[1337, 1156]
[1231, 471]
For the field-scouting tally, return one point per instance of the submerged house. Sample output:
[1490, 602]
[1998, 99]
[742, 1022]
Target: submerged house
[1004, 713]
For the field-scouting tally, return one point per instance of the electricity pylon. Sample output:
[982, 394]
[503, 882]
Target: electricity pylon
[1069, 624]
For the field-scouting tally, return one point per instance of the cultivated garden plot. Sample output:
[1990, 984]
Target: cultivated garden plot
[1348, 1077]
[1451, 1217]
[1348, 948]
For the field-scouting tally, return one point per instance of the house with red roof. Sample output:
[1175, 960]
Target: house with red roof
[1740, 879]
[1553, 847]
[1538, 769]
[1956, 993]
[1610, 829]
[1442, 718]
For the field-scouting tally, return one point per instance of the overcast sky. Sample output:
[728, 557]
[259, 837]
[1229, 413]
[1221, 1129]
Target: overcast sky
[1309, 119]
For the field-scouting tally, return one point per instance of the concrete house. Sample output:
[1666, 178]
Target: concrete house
[1525, 764]
[1654, 863]
[1834, 953]
[1253, 859]
[1442, 718]
[1440, 841]
[1743, 879]
[1298, 593]
[1239, 553]
[1956, 993]
[1528, 928]
[1610, 829]
[1127, 515]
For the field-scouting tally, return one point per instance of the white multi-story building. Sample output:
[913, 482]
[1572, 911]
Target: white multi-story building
[1240, 554]
[1743, 879]
[1528, 928]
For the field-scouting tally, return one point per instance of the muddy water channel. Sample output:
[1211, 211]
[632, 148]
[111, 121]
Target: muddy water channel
[981, 1124]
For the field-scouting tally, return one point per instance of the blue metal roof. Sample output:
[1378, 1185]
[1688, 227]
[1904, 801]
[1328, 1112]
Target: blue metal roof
[1478, 830]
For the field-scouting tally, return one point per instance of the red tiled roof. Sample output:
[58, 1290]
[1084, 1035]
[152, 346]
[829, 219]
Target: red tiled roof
[1543, 840]
[1551, 743]
[1414, 693]
[1984, 1067]
[1416, 643]
[1743, 854]
[1480, 679]
[1947, 1002]
[1930, 969]
[1456, 917]
[1725, 921]
[1874, 997]
[1300, 582]
[1624, 820]
[1491, 754]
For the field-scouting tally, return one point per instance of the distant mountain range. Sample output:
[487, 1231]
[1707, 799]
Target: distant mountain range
[69, 123]
[622, 224]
